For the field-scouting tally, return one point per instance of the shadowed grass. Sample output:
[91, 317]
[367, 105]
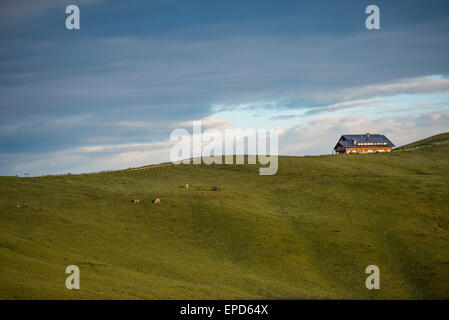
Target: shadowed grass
[307, 232]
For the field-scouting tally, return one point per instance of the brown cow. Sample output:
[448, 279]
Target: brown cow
[157, 200]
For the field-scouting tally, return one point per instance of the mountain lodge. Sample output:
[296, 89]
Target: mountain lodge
[363, 143]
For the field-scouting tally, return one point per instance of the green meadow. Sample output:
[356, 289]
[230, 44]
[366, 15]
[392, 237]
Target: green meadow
[307, 232]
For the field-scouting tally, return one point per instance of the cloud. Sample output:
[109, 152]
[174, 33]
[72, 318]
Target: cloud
[357, 96]
[184, 77]
[99, 157]
[319, 134]
[119, 82]
[112, 147]
[421, 85]
[206, 124]
[86, 159]
[284, 117]
[314, 136]
[342, 106]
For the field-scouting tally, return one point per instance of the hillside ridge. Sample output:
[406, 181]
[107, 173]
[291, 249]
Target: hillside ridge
[307, 232]
[433, 140]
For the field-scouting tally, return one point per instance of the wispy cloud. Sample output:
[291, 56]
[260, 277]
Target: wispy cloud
[421, 85]
[319, 134]
[120, 85]
[342, 106]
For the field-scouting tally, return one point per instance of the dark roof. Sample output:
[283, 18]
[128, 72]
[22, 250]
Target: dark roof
[347, 140]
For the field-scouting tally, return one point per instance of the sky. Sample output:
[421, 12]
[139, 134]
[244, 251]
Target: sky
[107, 96]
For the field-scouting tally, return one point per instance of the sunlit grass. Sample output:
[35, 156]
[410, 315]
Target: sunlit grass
[307, 232]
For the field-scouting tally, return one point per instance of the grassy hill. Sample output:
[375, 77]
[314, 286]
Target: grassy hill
[308, 232]
[442, 138]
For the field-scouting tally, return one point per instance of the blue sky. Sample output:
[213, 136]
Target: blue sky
[108, 95]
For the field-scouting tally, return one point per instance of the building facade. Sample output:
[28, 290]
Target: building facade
[363, 143]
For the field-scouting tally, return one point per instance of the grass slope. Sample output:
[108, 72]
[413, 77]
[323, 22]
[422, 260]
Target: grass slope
[442, 138]
[307, 232]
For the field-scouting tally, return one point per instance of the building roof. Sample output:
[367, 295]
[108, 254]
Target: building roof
[359, 140]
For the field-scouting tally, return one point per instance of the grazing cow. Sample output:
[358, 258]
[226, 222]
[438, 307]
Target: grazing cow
[157, 200]
[135, 201]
